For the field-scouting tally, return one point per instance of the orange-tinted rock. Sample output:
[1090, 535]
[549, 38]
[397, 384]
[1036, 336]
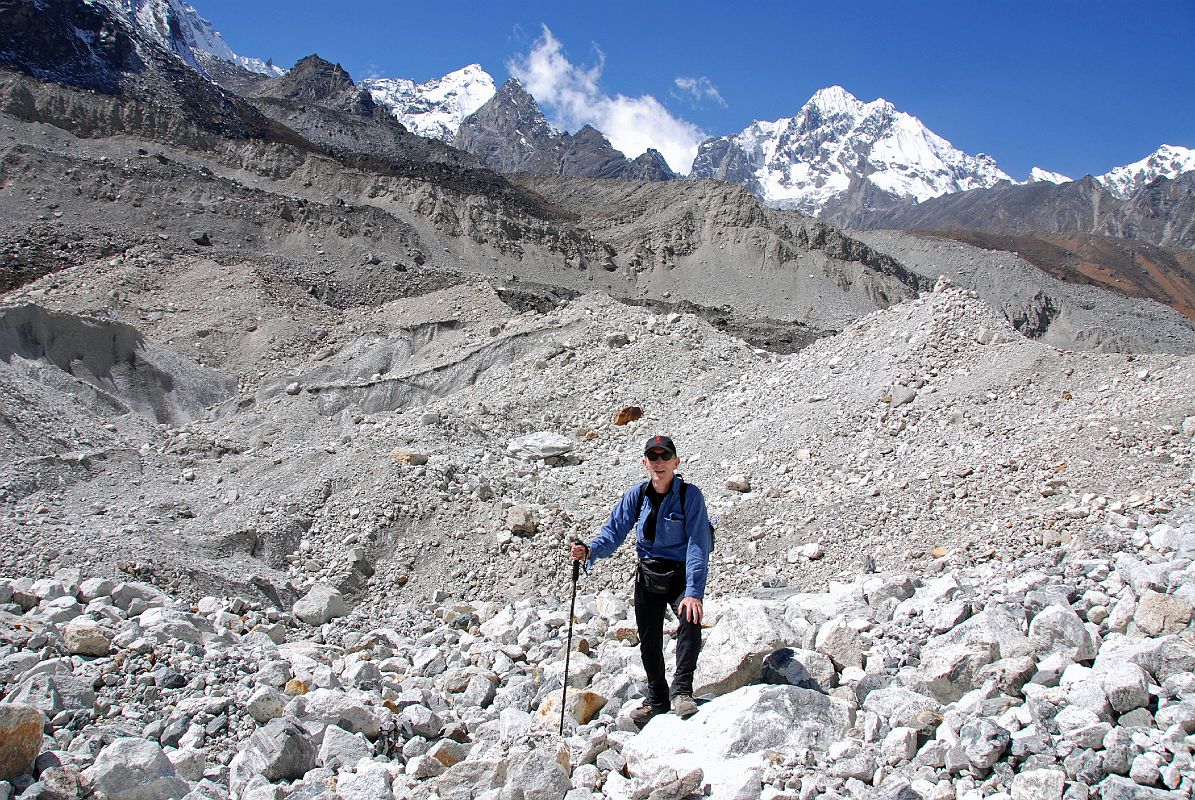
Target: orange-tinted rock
[20, 739]
[628, 414]
[581, 704]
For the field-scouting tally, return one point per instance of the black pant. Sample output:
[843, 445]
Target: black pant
[649, 618]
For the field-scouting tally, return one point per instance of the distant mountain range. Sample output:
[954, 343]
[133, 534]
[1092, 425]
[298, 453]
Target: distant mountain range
[308, 167]
[849, 162]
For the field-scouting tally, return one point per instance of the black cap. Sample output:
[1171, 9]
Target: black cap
[660, 443]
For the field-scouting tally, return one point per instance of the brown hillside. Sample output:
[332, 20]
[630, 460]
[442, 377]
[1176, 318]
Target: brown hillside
[1133, 268]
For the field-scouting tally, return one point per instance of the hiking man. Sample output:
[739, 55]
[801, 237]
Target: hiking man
[673, 545]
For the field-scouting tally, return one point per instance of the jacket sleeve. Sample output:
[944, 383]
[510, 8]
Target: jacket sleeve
[614, 532]
[697, 555]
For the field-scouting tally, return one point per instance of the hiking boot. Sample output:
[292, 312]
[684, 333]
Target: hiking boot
[641, 715]
[684, 706]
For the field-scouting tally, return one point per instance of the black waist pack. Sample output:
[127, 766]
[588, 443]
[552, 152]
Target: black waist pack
[661, 576]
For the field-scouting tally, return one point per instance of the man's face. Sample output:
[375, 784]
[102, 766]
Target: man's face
[659, 465]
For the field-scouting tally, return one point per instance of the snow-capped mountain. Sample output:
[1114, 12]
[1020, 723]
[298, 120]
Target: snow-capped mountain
[1038, 175]
[834, 142]
[436, 108]
[178, 27]
[1167, 161]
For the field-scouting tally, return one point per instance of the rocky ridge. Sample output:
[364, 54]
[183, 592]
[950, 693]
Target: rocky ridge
[1133, 268]
[510, 134]
[1161, 213]
[1060, 313]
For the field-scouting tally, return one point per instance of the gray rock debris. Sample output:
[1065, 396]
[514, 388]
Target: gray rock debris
[136, 769]
[320, 604]
[459, 696]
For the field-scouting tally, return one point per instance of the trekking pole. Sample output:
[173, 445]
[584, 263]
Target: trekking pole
[568, 650]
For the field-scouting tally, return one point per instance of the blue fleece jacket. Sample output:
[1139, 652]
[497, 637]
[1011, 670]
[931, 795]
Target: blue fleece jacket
[681, 534]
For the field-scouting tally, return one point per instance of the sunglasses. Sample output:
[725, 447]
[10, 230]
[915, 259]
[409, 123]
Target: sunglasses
[656, 455]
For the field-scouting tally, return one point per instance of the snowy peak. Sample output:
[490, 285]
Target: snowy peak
[1167, 161]
[177, 26]
[1039, 175]
[835, 143]
[434, 109]
[836, 101]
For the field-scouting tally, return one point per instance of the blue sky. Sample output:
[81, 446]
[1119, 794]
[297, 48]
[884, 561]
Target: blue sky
[1073, 87]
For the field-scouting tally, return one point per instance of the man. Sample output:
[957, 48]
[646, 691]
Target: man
[673, 545]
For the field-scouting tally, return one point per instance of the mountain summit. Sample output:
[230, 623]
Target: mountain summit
[511, 134]
[1167, 161]
[836, 147]
[435, 108]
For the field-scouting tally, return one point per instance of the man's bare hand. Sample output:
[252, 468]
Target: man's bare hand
[690, 609]
[579, 552]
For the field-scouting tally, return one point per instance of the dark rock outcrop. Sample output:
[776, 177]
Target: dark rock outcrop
[650, 166]
[320, 100]
[510, 134]
[723, 159]
[315, 80]
[72, 43]
[89, 46]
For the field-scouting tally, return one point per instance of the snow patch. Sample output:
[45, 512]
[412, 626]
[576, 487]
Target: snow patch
[1039, 175]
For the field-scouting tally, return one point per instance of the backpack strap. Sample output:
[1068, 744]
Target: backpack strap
[641, 494]
[683, 486]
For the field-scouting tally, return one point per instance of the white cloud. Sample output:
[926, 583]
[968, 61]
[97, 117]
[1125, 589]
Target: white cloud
[572, 98]
[699, 89]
